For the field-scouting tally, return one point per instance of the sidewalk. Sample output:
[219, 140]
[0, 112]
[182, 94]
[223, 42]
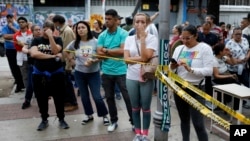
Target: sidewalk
[20, 125]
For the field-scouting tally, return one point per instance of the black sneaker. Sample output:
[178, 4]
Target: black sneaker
[25, 105]
[63, 124]
[43, 125]
[87, 119]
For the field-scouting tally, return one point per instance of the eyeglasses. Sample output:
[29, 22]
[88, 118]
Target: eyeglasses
[187, 38]
[21, 22]
[238, 34]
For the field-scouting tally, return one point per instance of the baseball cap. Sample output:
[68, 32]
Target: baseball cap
[10, 16]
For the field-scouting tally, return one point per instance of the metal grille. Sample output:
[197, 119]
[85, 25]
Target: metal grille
[235, 2]
[17, 1]
[114, 2]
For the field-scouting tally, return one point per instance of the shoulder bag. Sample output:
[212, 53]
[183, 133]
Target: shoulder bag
[148, 70]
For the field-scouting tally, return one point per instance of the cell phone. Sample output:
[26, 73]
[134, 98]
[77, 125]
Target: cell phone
[173, 61]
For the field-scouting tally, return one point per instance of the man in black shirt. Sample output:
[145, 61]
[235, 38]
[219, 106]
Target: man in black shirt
[48, 74]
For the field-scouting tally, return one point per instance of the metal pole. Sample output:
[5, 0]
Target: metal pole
[162, 114]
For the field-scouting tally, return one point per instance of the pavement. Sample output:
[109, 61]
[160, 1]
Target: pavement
[20, 125]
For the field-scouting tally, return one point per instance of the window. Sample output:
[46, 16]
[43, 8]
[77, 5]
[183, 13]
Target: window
[114, 2]
[235, 2]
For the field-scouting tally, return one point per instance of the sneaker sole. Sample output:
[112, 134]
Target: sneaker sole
[114, 128]
[43, 128]
[105, 124]
[84, 123]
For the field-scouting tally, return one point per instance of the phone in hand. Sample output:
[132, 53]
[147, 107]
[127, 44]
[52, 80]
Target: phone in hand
[173, 61]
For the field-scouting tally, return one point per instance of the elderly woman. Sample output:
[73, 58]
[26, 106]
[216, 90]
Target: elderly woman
[239, 48]
[194, 61]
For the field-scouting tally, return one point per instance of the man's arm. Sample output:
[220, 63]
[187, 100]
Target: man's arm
[55, 48]
[118, 52]
[6, 35]
[34, 53]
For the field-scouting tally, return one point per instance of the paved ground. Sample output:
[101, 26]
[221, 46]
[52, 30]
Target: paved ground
[20, 125]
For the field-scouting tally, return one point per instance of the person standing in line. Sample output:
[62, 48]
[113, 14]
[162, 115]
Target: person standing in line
[175, 40]
[97, 28]
[8, 31]
[21, 38]
[36, 31]
[214, 28]
[87, 71]
[211, 39]
[194, 61]
[67, 35]
[111, 44]
[140, 47]
[48, 74]
[239, 48]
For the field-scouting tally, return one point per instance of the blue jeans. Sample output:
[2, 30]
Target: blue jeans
[91, 80]
[109, 82]
[29, 89]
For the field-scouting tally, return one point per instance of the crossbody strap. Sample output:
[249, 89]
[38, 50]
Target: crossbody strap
[137, 47]
[178, 58]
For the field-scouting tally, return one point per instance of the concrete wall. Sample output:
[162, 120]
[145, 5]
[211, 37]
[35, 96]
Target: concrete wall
[233, 14]
[71, 14]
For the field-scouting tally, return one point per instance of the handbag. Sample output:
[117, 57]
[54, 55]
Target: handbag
[148, 70]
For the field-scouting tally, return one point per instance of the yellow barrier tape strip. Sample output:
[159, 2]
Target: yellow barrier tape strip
[114, 58]
[176, 78]
[225, 108]
[191, 101]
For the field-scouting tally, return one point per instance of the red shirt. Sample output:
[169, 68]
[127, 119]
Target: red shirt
[25, 38]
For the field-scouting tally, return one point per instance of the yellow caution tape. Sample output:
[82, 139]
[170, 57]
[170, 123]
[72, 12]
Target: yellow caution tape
[225, 108]
[175, 78]
[190, 100]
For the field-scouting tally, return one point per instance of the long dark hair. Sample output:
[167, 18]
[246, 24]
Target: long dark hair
[78, 38]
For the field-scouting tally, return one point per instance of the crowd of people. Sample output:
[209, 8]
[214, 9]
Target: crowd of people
[45, 60]
[209, 55]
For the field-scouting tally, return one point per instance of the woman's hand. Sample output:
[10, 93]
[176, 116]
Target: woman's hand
[174, 65]
[186, 66]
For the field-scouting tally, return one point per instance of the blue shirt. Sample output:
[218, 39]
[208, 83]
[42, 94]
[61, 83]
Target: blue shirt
[113, 41]
[8, 44]
[209, 38]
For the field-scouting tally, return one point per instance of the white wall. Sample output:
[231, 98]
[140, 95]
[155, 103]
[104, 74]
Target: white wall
[233, 14]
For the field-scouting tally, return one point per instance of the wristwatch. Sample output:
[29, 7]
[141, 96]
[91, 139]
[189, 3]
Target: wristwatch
[191, 70]
[106, 51]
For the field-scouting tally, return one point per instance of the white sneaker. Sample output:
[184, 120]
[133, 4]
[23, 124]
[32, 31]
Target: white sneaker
[145, 138]
[105, 121]
[112, 127]
[137, 137]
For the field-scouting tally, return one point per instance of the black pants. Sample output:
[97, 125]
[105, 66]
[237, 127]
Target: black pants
[187, 113]
[70, 96]
[109, 82]
[14, 68]
[45, 87]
